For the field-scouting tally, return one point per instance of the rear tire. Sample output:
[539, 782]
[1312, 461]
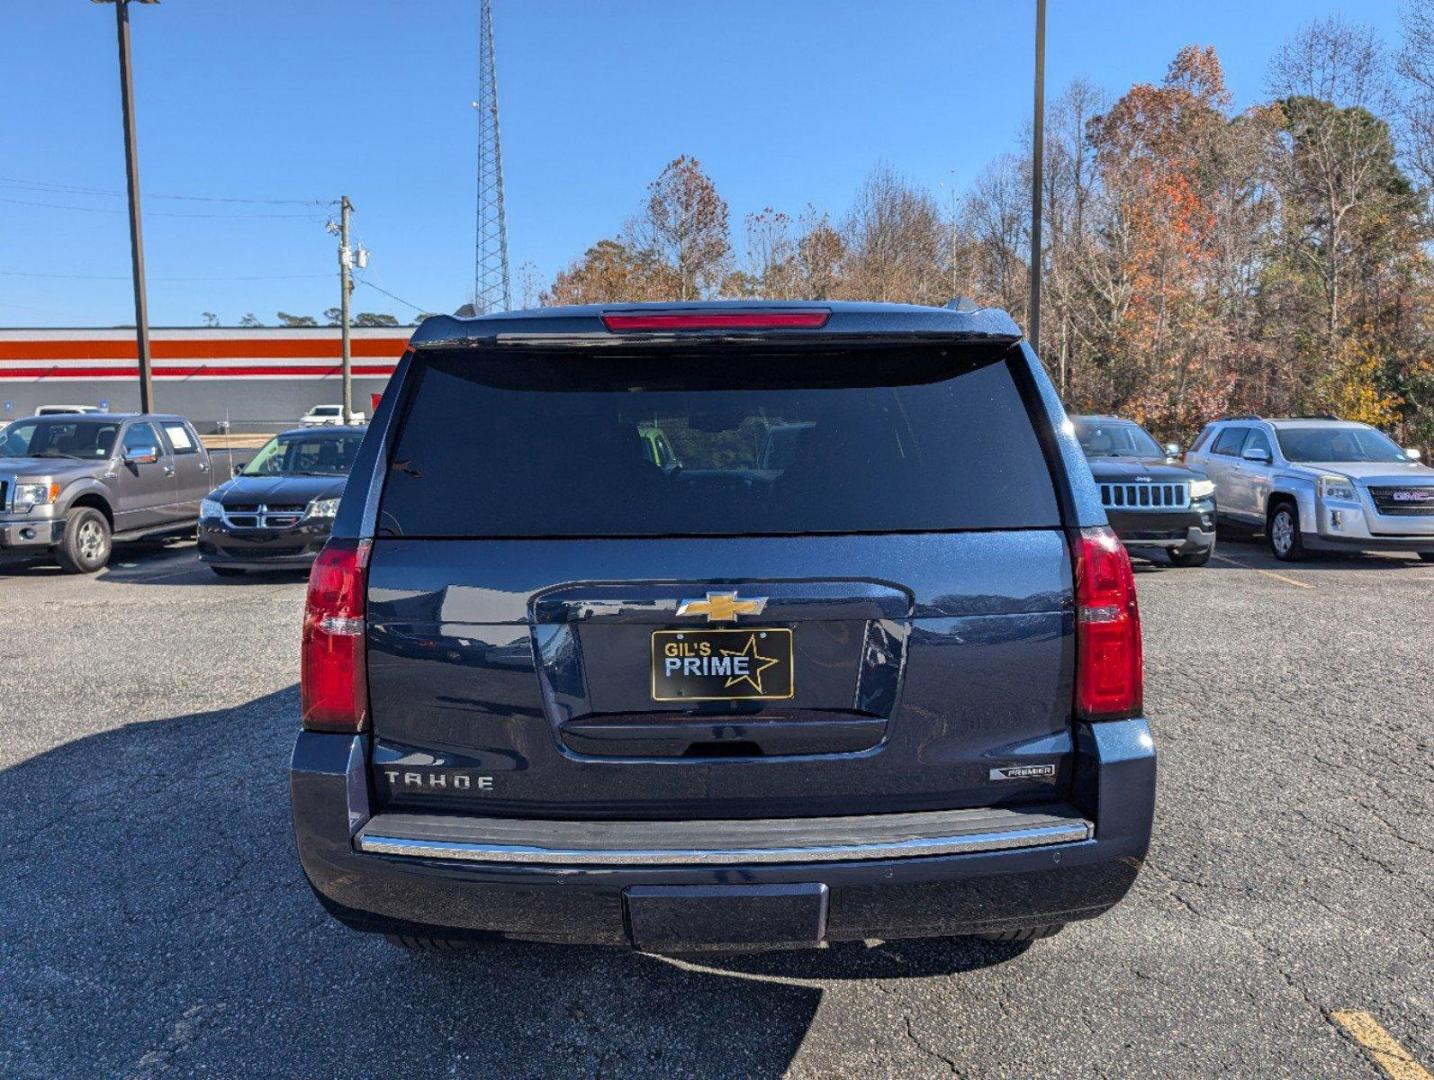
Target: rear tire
[86, 546]
[227, 571]
[1191, 558]
[1030, 933]
[428, 944]
[1283, 532]
[1426, 556]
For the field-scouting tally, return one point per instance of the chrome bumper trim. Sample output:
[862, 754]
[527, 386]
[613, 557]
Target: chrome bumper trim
[815, 840]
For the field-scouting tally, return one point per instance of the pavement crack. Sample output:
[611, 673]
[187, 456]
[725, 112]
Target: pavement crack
[929, 1051]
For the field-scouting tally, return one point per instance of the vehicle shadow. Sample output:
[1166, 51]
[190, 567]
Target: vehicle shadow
[1251, 548]
[156, 920]
[128, 555]
[151, 562]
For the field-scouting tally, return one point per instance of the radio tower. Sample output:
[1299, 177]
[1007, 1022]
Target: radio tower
[491, 291]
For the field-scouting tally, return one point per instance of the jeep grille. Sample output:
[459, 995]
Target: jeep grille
[1145, 496]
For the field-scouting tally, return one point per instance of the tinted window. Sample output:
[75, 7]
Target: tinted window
[1338, 444]
[59, 438]
[864, 442]
[1229, 441]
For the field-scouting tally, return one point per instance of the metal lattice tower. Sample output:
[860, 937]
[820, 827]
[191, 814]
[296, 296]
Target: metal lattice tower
[491, 291]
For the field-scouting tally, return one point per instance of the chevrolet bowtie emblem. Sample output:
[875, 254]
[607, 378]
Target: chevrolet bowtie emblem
[722, 606]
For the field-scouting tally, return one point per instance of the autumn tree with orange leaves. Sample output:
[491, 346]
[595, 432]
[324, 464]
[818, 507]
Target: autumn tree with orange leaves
[1198, 260]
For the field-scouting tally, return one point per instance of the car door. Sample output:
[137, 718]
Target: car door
[1220, 465]
[192, 475]
[1252, 473]
[144, 478]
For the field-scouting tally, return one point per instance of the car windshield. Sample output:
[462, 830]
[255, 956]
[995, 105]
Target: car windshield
[1349, 444]
[305, 455]
[1118, 438]
[64, 437]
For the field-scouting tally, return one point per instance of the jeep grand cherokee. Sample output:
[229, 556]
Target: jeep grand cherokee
[886, 683]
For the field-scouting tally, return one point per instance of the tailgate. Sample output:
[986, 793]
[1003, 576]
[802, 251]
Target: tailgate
[921, 669]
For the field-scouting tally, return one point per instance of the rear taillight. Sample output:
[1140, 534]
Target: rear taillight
[717, 320]
[333, 679]
[1110, 669]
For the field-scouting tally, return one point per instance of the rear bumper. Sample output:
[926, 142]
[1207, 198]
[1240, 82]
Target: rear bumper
[450, 892]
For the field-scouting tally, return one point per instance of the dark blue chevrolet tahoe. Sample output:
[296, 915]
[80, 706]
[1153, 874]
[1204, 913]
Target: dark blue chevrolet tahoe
[885, 683]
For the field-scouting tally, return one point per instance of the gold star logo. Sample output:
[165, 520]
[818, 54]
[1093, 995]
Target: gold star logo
[722, 607]
[759, 664]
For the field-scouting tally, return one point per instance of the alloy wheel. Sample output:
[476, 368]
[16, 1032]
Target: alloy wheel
[1282, 532]
[91, 541]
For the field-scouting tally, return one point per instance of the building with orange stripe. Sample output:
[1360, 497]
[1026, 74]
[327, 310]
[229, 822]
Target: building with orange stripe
[259, 379]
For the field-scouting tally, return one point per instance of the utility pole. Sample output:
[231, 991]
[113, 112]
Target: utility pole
[1038, 137]
[136, 236]
[346, 286]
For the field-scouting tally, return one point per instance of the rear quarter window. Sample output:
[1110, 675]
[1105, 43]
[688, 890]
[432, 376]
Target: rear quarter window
[761, 442]
[180, 441]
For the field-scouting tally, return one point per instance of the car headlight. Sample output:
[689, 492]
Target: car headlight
[211, 508]
[28, 496]
[1336, 487]
[1202, 489]
[323, 508]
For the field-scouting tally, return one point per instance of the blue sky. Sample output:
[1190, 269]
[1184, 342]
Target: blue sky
[785, 103]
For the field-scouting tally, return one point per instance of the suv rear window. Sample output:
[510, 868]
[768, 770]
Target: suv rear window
[762, 442]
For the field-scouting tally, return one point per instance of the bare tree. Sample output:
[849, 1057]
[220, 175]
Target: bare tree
[894, 240]
[772, 256]
[1331, 80]
[1416, 65]
[994, 218]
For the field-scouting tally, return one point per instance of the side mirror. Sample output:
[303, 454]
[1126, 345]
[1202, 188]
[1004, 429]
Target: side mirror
[237, 469]
[1254, 453]
[1172, 450]
[142, 455]
[1412, 453]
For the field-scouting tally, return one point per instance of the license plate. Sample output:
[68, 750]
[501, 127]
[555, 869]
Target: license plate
[722, 665]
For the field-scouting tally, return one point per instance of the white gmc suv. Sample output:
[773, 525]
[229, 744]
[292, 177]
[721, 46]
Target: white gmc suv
[1318, 484]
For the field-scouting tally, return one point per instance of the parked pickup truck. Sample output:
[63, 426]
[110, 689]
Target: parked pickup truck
[73, 484]
[329, 416]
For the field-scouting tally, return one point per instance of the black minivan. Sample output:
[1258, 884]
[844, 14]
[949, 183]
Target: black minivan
[885, 683]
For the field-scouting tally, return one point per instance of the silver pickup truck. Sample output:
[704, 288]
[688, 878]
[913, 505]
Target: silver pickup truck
[73, 484]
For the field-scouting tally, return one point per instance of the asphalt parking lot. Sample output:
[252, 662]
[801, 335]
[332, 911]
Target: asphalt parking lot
[155, 921]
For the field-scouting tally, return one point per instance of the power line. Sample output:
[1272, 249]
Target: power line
[391, 296]
[197, 277]
[77, 189]
[149, 213]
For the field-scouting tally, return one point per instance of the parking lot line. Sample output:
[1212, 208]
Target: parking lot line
[1395, 1061]
[1267, 573]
